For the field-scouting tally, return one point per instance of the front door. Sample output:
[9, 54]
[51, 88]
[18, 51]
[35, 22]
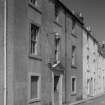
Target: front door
[57, 89]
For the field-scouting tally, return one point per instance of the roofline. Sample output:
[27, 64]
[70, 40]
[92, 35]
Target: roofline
[90, 34]
[70, 12]
[79, 21]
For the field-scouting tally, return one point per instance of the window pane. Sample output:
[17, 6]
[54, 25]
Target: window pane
[34, 87]
[34, 31]
[73, 84]
[32, 47]
[34, 39]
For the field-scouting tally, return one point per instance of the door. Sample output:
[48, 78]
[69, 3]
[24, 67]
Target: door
[57, 89]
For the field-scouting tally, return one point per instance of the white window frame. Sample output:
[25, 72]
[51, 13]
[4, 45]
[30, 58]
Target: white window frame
[38, 88]
[36, 41]
[73, 92]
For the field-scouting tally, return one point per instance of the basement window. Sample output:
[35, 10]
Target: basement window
[34, 87]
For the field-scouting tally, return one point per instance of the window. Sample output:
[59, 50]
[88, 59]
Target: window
[73, 55]
[94, 53]
[94, 60]
[33, 2]
[73, 27]
[87, 37]
[90, 87]
[57, 49]
[73, 84]
[34, 39]
[88, 57]
[57, 10]
[34, 86]
[88, 48]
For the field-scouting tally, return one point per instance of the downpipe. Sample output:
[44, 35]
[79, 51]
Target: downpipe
[5, 50]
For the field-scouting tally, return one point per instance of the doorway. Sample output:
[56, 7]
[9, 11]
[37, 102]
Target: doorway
[57, 89]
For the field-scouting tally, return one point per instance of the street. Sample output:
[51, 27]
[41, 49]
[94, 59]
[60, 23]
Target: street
[94, 101]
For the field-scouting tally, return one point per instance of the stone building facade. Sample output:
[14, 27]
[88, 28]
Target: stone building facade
[42, 53]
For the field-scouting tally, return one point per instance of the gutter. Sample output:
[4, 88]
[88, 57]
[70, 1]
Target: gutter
[5, 50]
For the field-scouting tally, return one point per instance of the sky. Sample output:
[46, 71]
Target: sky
[93, 12]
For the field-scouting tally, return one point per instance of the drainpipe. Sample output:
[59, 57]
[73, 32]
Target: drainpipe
[65, 58]
[5, 58]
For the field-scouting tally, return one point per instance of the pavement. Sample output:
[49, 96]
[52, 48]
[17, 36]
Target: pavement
[96, 101]
[99, 100]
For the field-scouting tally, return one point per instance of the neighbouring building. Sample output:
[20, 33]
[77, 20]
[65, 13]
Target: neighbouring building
[93, 66]
[43, 57]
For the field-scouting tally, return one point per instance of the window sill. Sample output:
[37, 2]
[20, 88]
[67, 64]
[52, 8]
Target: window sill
[35, 8]
[36, 57]
[34, 100]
